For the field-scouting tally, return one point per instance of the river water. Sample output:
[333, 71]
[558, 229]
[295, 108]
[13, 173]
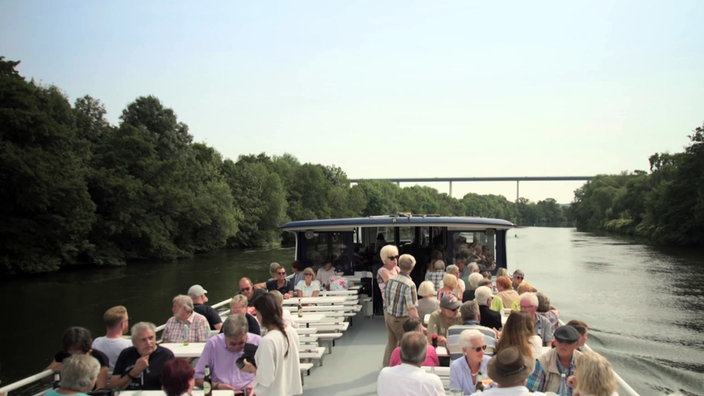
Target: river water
[644, 306]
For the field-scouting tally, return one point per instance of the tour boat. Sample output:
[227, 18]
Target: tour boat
[353, 244]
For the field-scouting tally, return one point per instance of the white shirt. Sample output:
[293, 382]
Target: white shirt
[276, 375]
[308, 290]
[111, 347]
[511, 391]
[408, 380]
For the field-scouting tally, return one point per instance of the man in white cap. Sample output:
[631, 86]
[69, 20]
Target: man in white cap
[198, 294]
[509, 371]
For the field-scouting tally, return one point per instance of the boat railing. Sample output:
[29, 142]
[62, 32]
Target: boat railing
[36, 378]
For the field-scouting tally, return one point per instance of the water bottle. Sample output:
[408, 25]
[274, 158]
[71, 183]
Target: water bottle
[480, 382]
[563, 390]
[207, 382]
[185, 334]
[300, 309]
[57, 381]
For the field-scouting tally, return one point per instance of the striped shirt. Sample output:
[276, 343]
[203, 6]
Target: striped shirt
[400, 295]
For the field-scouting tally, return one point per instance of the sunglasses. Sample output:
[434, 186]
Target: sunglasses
[393, 257]
[479, 349]
[281, 272]
[244, 289]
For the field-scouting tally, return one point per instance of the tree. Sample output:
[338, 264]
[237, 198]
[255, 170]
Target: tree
[45, 209]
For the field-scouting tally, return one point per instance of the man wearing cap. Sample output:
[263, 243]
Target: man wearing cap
[197, 293]
[509, 370]
[559, 360]
[408, 378]
[447, 315]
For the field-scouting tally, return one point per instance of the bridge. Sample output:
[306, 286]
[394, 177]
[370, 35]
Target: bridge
[450, 180]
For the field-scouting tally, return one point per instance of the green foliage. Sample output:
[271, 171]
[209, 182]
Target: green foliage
[45, 210]
[665, 206]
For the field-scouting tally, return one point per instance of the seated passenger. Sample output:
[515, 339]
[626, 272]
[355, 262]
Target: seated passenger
[250, 291]
[409, 379]
[518, 332]
[78, 376]
[443, 318]
[431, 357]
[139, 366]
[428, 303]
[325, 273]
[507, 295]
[177, 378]
[238, 305]
[460, 286]
[517, 279]
[281, 283]
[548, 311]
[77, 341]
[488, 317]
[582, 328]
[186, 323]
[555, 362]
[541, 326]
[449, 284]
[474, 279]
[309, 286]
[593, 376]
[221, 354]
[467, 371]
[509, 370]
[436, 273]
[469, 312]
[112, 343]
[199, 297]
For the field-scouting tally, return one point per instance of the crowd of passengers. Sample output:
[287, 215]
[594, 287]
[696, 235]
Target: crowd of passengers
[463, 306]
[527, 355]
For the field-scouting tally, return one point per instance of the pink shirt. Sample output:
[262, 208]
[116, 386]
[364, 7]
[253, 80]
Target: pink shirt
[431, 357]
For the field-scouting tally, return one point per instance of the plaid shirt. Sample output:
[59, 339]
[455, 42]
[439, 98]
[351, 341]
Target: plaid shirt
[436, 278]
[198, 329]
[400, 295]
[537, 380]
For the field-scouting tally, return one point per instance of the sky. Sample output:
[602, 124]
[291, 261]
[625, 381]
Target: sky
[391, 89]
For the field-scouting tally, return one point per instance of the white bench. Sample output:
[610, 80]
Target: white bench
[442, 372]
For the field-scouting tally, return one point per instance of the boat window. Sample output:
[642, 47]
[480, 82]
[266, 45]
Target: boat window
[477, 245]
[320, 246]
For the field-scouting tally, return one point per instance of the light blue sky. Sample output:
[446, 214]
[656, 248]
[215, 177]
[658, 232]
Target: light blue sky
[391, 88]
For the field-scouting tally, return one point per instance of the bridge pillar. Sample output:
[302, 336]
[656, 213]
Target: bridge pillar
[517, 193]
[450, 188]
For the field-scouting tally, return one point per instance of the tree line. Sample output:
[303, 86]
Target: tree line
[664, 206]
[77, 190]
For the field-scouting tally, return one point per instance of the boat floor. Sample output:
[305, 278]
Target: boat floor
[355, 362]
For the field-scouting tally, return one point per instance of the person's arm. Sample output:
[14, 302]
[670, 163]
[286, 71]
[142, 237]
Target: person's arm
[384, 273]
[102, 381]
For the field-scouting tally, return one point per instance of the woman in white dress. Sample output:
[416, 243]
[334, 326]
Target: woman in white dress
[278, 368]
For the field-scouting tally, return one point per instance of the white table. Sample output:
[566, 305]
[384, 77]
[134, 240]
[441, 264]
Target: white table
[315, 300]
[196, 392]
[192, 350]
[307, 318]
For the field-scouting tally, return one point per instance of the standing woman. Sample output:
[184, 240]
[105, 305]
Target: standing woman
[278, 369]
[389, 256]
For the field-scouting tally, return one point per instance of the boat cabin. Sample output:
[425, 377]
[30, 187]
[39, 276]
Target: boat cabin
[353, 244]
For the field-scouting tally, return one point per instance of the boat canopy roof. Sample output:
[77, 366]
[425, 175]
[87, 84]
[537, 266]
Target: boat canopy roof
[401, 220]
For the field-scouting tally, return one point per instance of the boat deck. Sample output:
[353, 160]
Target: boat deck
[355, 362]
